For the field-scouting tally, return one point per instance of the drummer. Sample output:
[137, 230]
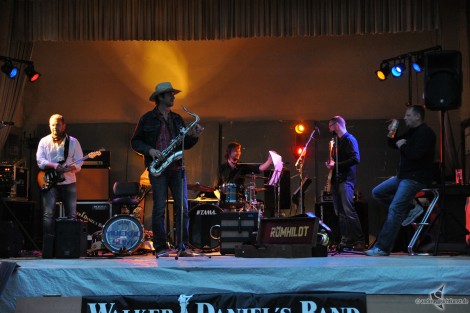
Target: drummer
[233, 172]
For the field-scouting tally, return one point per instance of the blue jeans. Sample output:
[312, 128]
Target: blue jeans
[65, 193]
[397, 195]
[349, 223]
[175, 180]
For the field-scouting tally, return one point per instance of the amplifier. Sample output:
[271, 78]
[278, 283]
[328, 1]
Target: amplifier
[95, 213]
[237, 228]
[101, 161]
[70, 239]
[293, 230]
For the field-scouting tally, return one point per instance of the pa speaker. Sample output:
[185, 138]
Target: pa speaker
[70, 239]
[443, 80]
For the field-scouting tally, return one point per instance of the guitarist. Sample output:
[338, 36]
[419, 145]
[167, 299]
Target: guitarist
[345, 157]
[54, 152]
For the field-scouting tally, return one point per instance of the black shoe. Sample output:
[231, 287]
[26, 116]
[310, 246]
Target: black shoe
[160, 249]
[360, 246]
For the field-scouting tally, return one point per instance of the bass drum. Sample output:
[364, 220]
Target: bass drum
[204, 227]
[122, 234]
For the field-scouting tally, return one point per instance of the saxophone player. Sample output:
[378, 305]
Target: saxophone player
[155, 131]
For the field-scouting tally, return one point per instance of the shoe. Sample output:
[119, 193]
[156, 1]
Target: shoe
[413, 215]
[376, 252]
[160, 249]
[345, 245]
[186, 254]
[360, 246]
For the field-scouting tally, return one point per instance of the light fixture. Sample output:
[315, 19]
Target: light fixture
[398, 69]
[9, 69]
[31, 73]
[418, 63]
[383, 72]
[299, 128]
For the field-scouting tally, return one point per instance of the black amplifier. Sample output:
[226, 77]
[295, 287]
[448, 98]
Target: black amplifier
[95, 213]
[237, 228]
[100, 161]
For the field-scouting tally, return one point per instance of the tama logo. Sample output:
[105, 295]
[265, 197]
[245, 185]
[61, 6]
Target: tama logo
[206, 212]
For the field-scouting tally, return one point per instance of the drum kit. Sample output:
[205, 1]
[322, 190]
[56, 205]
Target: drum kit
[124, 234]
[204, 215]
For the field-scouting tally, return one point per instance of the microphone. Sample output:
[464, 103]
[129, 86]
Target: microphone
[7, 123]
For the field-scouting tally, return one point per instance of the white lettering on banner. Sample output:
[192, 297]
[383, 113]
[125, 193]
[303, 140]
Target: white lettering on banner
[103, 309]
[204, 307]
[311, 307]
[289, 232]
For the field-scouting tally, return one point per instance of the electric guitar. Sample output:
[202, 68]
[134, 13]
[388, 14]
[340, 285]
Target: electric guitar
[330, 172]
[49, 178]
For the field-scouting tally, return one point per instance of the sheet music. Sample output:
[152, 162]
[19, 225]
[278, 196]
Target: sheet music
[277, 162]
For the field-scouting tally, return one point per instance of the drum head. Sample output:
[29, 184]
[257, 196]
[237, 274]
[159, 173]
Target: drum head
[122, 234]
[204, 227]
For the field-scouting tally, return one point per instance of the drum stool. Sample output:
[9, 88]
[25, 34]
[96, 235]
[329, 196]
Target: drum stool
[125, 196]
[433, 195]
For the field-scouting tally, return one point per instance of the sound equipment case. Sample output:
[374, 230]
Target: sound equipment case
[237, 228]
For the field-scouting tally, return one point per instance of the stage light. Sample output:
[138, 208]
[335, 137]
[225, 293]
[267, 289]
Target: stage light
[31, 73]
[9, 69]
[398, 69]
[418, 63]
[299, 128]
[383, 72]
[298, 151]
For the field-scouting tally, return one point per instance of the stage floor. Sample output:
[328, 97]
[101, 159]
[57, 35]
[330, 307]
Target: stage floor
[397, 274]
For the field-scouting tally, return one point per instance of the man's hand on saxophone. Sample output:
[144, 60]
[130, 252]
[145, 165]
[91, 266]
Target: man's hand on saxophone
[196, 131]
[156, 154]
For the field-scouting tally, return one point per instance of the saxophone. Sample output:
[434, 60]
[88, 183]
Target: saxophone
[169, 156]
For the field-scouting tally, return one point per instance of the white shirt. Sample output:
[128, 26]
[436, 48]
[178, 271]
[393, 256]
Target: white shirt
[49, 151]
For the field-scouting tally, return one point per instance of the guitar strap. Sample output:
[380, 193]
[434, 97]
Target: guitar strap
[66, 149]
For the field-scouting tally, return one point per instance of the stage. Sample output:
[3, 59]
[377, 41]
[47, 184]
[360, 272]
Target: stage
[394, 283]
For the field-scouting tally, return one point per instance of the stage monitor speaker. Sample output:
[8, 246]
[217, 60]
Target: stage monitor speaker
[70, 239]
[284, 193]
[93, 184]
[443, 80]
[326, 212]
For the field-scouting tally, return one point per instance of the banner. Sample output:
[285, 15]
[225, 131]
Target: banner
[318, 302]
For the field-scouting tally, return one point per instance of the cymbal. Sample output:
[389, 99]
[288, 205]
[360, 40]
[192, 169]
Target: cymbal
[256, 189]
[255, 176]
[199, 187]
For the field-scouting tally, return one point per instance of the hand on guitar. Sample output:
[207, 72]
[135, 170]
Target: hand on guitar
[64, 169]
[330, 164]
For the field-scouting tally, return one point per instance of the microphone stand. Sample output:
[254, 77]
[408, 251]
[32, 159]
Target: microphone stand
[300, 162]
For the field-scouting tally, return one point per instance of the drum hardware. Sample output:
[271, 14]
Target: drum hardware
[253, 176]
[201, 188]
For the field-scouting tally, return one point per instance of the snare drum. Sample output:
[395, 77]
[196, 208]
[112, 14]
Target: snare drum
[231, 196]
[122, 234]
[204, 227]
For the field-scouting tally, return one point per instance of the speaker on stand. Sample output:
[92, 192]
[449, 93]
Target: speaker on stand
[442, 92]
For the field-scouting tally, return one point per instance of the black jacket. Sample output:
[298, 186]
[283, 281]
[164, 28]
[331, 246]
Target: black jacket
[417, 155]
[348, 158]
[148, 129]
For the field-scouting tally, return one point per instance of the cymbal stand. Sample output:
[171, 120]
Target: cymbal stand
[181, 247]
[299, 165]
